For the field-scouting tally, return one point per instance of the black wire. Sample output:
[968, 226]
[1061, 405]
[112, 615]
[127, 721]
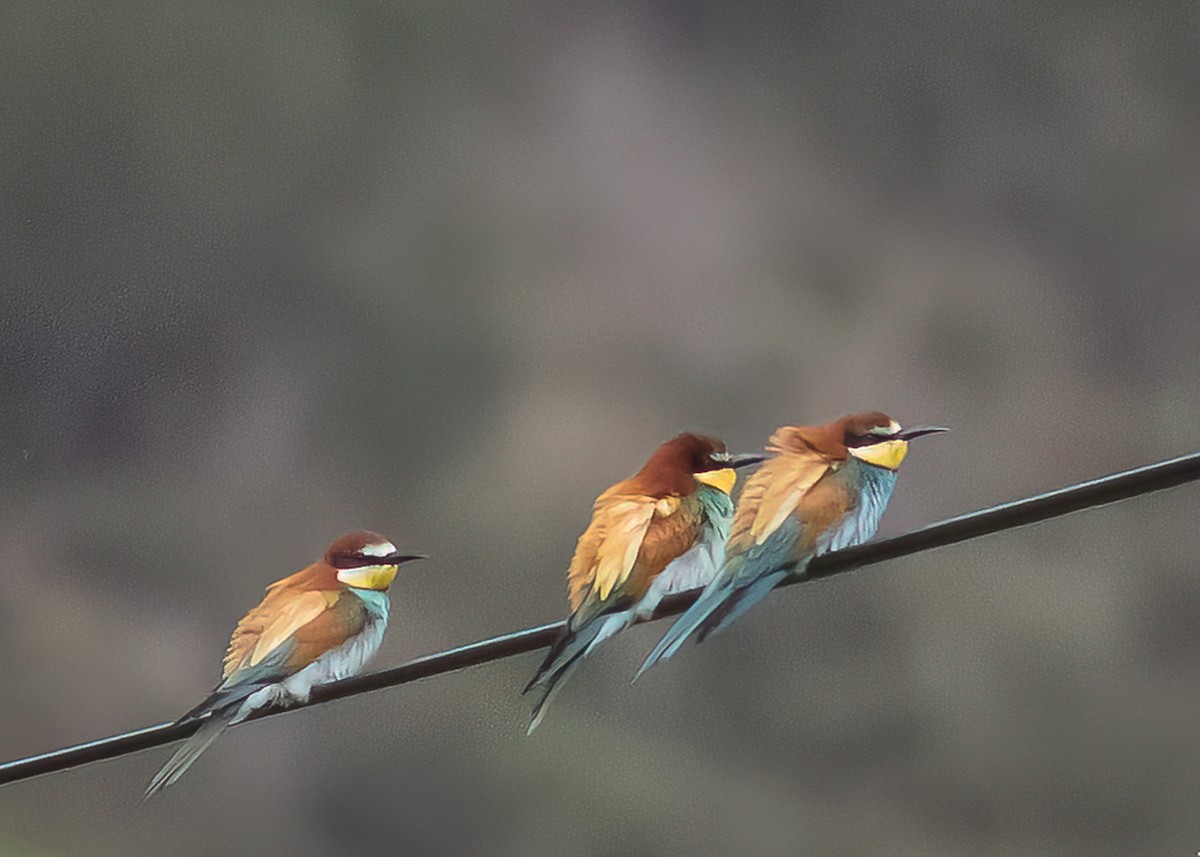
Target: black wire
[1086, 495]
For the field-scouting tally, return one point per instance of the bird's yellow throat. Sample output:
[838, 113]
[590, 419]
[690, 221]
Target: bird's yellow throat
[377, 577]
[888, 453]
[723, 480]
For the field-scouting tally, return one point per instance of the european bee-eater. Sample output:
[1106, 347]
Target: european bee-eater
[825, 489]
[657, 532]
[318, 625]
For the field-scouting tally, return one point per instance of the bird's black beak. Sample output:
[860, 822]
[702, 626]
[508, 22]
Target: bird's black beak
[745, 459]
[918, 431]
[400, 558]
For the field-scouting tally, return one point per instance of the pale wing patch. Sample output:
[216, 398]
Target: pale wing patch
[289, 617]
[628, 521]
[667, 506]
[789, 478]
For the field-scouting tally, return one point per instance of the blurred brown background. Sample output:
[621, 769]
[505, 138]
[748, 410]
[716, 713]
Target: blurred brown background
[446, 270]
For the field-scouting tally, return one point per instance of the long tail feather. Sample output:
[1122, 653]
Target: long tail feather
[565, 640]
[551, 685]
[709, 600]
[720, 604]
[183, 758]
[564, 657]
[739, 601]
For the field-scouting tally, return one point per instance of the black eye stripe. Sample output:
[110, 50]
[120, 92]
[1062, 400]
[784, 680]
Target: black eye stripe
[856, 440]
[351, 561]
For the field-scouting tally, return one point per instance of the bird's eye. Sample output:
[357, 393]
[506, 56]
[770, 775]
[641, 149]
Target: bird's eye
[713, 461]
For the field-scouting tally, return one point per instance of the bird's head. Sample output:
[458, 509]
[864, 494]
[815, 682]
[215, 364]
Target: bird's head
[878, 439]
[366, 560]
[686, 459]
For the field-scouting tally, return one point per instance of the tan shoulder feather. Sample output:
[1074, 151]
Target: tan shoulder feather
[772, 494]
[271, 623]
[608, 548]
[630, 540]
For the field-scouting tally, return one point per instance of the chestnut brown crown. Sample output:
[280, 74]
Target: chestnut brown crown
[671, 468]
[364, 548]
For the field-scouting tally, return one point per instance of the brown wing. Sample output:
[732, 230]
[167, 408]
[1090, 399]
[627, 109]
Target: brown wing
[827, 503]
[629, 541]
[605, 553]
[773, 493]
[309, 617]
[670, 535]
[347, 617]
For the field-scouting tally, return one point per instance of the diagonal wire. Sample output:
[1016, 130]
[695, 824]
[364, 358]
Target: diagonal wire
[1085, 495]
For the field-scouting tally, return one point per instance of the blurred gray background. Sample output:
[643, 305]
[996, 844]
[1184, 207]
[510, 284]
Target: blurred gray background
[447, 270]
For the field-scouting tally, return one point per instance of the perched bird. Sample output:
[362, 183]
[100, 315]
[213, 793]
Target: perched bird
[825, 488]
[657, 532]
[319, 625]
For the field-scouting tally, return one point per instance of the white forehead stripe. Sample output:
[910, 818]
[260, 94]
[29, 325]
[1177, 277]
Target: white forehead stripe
[380, 549]
[886, 431]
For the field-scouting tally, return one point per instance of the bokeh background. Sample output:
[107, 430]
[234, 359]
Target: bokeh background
[446, 270]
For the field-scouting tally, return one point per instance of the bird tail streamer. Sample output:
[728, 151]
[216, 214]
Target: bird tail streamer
[564, 657]
[210, 730]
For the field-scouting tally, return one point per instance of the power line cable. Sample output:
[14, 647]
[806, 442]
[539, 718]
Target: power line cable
[1030, 510]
